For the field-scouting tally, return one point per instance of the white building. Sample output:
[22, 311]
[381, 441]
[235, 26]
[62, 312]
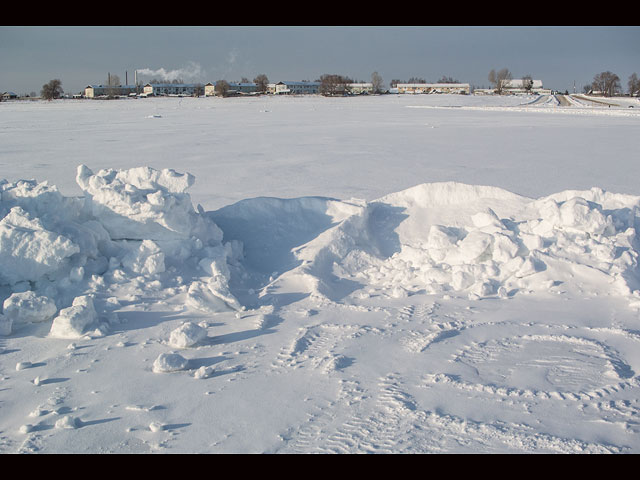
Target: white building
[296, 88]
[360, 88]
[234, 88]
[517, 86]
[457, 88]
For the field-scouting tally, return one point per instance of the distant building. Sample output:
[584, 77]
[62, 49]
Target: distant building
[296, 88]
[516, 86]
[170, 89]
[416, 88]
[244, 88]
[360, 88]
[484, 91]
[209, 89]
[95, 91]
[9, 96]
[234, 89]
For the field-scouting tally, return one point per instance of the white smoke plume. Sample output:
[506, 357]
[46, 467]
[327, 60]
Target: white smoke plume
[192, 71]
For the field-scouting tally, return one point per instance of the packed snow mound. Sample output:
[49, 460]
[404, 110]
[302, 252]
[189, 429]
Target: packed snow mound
[66, 260]
[132, 227]
[478, 241]
[144, 203]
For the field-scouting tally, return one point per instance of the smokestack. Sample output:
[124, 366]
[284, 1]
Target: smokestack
[126, 78]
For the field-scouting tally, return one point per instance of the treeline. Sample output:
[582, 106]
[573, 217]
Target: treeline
[605, 83]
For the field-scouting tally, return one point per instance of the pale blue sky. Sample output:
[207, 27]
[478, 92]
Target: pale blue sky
[31, 56]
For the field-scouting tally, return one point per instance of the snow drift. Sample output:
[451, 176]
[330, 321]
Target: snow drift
[131, 226]
[452, 238]
[64, 260]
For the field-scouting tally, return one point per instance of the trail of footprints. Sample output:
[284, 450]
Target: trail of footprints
[396, 424]
[389, 420]
[316, 347]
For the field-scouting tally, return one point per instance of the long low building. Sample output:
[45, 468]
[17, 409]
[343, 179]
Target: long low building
[241, 88]
[295, 88]
[172, 88]
[95, 91]
[458, 88]
[360, 88]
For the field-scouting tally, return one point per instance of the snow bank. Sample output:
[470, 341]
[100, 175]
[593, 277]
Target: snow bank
[135, 231]
[479, 241]
[132, 227]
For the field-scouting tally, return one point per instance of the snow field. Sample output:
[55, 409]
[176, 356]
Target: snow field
[445, 317]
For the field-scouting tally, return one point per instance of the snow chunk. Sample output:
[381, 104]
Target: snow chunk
[212, 295]
[584, 216]
[156, 427]
[28, 250]
[204, 372]
[27, 307]
[143, 203]
[147, 259]
[169, 362]
[73, 321]
[187, 335]
[67, 422]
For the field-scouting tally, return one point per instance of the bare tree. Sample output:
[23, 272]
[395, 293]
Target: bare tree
[394, 83]
[499, 79]
[332, 84]
[222, 88]
[445, 79]
[52, 90]
[416, 80]
[634, 84]
[527, 83]
[198, 90]
[262, 82]
[376, 82]
[606, 82]
[587, 89]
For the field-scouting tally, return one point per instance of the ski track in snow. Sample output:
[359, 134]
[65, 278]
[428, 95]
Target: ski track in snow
[443, 318]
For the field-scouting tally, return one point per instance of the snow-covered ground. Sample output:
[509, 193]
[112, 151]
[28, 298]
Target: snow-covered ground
[402, 273]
